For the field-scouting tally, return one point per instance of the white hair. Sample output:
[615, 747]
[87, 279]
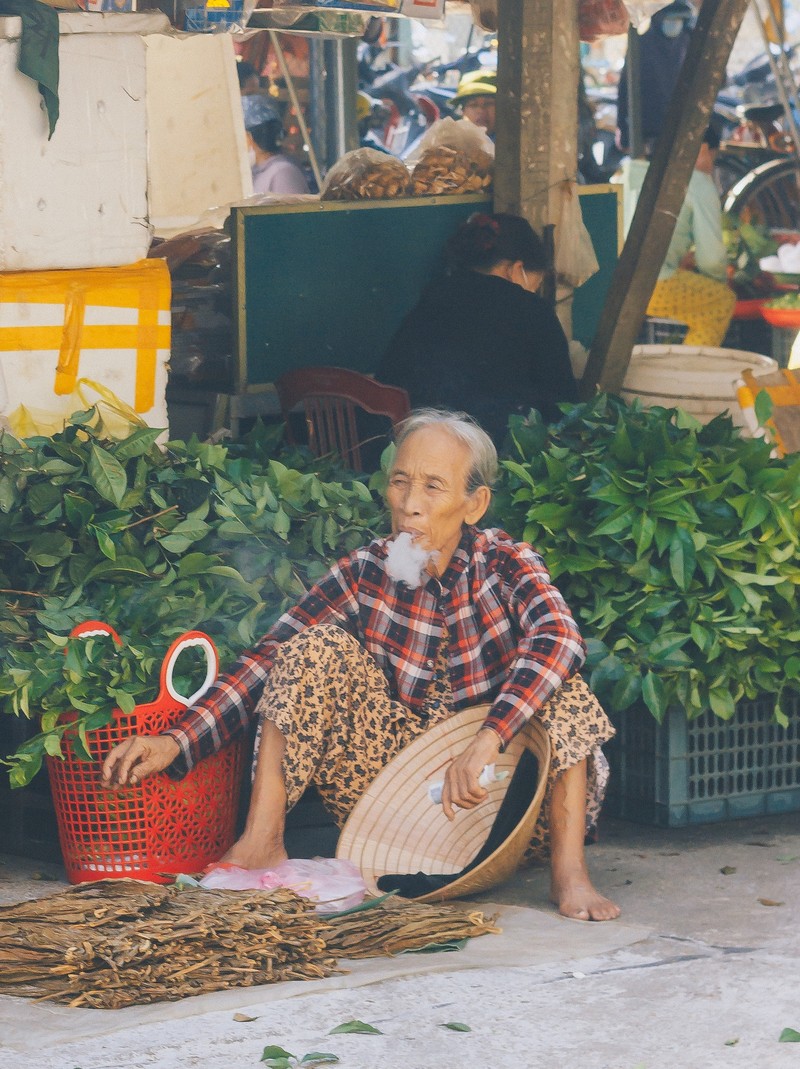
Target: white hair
[483, 455]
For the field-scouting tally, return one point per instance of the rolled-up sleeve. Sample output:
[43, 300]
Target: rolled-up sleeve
[228, 707]
[550, 648]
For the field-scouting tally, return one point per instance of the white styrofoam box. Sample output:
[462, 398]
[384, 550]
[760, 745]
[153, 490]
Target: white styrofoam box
[107, 325]
[80, 199]
[195, 129]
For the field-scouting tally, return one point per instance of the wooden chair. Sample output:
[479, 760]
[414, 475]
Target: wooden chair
[783, 388]
[330, 399]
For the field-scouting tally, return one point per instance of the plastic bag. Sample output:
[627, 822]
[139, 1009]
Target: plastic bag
[332, 884]
[484, 14]
[641, 11]
[454, 156]
[117, 417]
[598, 19]
[366, 174]
[575, 258]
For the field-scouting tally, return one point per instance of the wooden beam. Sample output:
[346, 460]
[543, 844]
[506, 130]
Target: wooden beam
[662, 194]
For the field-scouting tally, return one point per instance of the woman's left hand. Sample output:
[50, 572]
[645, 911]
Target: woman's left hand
[461, 787]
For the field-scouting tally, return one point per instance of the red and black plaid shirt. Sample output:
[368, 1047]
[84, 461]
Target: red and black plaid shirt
[513, 640]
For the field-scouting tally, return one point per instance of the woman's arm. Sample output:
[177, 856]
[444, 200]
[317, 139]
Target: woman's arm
[550, 648]
[227, 708]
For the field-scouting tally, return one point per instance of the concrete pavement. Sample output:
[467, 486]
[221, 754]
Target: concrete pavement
[712, 981]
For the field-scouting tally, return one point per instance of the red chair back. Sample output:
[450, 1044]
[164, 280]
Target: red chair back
[330, 397]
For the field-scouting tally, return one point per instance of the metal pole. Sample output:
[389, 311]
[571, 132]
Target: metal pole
[340, 97]
[633, 63]
[781, 71]
[316, 94]
[301, 122]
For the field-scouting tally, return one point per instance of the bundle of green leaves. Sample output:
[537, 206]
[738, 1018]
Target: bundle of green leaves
[154, 542]
[675, 546]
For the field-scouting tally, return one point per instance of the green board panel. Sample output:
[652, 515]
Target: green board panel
[328, 284]
[601, 210]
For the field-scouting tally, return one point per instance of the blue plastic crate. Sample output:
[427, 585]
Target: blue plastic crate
[705, 770]
[658, 331]
[211, 19]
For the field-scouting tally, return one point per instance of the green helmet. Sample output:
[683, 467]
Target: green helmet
[476, 84]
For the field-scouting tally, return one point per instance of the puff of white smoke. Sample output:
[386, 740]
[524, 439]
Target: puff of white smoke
[406, 562]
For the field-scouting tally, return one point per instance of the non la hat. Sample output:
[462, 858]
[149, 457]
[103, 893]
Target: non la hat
[395, 827]
[257, 111]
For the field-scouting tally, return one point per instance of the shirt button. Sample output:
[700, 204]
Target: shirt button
[430, 664]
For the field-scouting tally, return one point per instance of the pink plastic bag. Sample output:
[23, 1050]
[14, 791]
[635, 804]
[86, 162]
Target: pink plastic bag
[331, 883]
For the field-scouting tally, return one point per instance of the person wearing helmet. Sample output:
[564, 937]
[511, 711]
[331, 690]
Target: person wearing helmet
[371, 116]
[476, 99]
[272, 171]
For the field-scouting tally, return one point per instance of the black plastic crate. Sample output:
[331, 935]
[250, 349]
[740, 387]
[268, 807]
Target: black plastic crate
[705, 770]
[28, 825]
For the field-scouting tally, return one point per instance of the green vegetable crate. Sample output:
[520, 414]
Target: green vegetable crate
[704, 770]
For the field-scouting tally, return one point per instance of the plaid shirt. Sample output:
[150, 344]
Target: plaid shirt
[512, 638]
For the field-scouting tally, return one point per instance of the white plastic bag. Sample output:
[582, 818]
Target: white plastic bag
[575, 258]
[454, 156]
[331, 883]
[366, 174]
[459, 134]
[641, 11]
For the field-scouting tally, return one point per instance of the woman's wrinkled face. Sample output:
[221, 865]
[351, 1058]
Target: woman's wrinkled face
[427, 492]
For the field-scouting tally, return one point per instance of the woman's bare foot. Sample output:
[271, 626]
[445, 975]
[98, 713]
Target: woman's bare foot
[263, 854]
[577, 898]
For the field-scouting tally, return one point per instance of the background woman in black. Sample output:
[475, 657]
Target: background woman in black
[481, 340]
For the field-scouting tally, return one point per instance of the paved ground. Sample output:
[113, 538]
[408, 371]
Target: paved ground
[713, 984]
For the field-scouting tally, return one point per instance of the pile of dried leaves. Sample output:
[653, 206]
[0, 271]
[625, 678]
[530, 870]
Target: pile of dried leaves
[397, 926]
[119, 943]
[123, 942]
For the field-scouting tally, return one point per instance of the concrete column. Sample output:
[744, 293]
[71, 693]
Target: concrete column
[537, 113]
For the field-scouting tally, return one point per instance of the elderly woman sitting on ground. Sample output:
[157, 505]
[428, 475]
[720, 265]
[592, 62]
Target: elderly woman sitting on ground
[375, 654]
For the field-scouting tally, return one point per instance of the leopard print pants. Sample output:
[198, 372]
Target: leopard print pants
[330, 701]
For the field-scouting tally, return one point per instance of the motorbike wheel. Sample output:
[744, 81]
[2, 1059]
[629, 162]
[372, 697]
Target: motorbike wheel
[768, 196]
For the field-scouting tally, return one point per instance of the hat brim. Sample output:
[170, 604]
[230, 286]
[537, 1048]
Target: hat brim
[395, 828]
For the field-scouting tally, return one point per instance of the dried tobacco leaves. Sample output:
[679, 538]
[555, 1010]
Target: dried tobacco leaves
[119, 943]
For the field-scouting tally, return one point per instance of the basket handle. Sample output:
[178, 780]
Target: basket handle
[191, 638]
[92, 628]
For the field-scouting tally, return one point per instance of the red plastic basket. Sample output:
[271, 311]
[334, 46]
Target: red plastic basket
[161, 826]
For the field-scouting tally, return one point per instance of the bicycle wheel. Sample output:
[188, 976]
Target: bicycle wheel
[768, 196]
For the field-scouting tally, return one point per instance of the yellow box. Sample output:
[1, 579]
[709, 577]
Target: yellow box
[110, 325]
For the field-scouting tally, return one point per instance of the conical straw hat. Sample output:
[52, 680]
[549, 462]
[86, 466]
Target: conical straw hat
[396, 828]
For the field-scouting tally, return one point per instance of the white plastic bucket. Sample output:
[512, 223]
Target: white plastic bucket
[700, 380]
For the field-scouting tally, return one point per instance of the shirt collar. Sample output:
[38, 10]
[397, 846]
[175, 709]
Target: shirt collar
[458, 562]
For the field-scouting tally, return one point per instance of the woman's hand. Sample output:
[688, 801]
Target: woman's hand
[138, 757]
[461, 787]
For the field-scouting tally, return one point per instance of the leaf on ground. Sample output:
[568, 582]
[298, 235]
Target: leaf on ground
[243, 1017]
[354, 1026]
[728, 870]
[731, 1042]
[275, 1053]
[787, 859]
[457, 1026]
[769, 902]
[789, 1035]
[319, 1057]
[44, 876]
